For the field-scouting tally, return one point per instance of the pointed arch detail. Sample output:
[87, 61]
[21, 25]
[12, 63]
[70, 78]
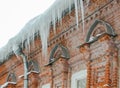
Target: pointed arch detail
[11, 77]
[102, 26]
[59, 51]
[33, 66]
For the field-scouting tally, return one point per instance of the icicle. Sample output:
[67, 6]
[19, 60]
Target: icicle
[22, 43]
[44, 33]
[58, 15]
[66, 4]
[42, 25]
[15, 49]
[82, 11]
[33, 42]
[32, 37]
[28, 44]
[54, 22]
[60, 11]
[70, 6]
[77, 2]
[76, 11]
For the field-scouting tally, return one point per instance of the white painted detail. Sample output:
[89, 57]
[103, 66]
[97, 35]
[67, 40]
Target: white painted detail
[28, 73]
[46, 86]
[5, 84]
[79, 76]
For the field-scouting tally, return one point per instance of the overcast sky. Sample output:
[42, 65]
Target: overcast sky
[14, 14]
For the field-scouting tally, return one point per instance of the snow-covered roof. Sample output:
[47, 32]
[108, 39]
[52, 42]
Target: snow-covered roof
[41, 25]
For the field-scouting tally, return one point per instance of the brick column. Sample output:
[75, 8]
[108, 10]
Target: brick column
[114, 64]
[107, 74]
[115, 70]
[63, 79]
[51, 77]
[115, 78]
[69, 78]
[64, 73]
[93, 78]
[88, 75]
[119, 72]
[85, 50]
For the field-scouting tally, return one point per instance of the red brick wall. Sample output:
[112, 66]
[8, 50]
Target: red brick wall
[100, 58]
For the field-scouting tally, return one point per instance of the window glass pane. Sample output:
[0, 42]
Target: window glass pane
[81, 83]
[59, 87]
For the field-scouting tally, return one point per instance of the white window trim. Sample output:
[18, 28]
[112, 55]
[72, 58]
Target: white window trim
[79, 75]
[46, 85]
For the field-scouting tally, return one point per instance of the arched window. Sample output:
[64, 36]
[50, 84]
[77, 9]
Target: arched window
[33, 66]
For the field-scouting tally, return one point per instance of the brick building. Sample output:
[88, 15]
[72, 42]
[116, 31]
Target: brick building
[76, 58]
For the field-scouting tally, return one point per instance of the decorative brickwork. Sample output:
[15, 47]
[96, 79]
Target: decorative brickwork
[71, 51]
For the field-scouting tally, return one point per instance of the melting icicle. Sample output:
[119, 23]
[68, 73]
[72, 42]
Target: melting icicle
[54, 21]
[44, 33]
[28, 44]
[76, 11]
[22, 43]
[82, 11]
[16, 51]
[60, 11]
[70, 6]
[32, 38]
[42, 25]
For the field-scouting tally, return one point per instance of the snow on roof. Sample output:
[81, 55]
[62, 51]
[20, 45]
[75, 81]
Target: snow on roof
[41, 25]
